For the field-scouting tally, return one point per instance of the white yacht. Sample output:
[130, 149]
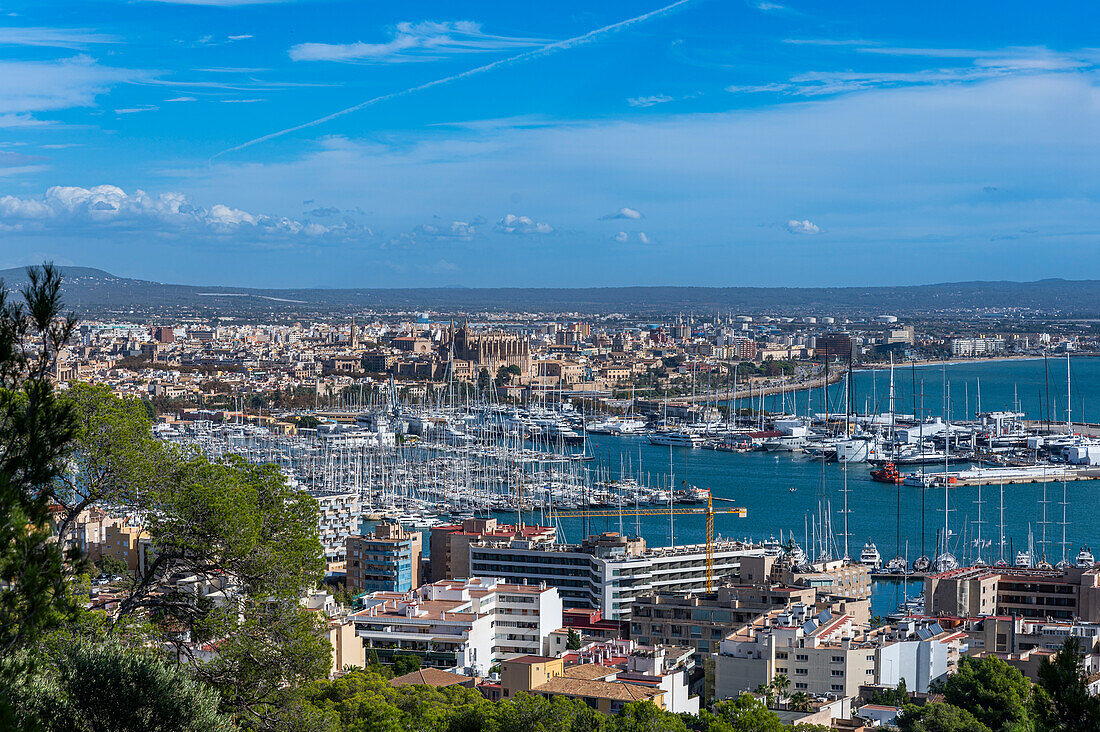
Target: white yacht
[772, 547]
[870, 557]
[857, 450]
[786, 443]
[1085, 559]
[1023, 559]
[628, 427]
[676, 438]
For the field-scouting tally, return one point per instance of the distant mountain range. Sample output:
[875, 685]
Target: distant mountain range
[93, 291]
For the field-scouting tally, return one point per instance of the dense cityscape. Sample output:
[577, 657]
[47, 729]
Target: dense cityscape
[636, 366]
[438, 486]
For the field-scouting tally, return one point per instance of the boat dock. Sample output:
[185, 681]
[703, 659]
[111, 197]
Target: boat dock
[1015, 475]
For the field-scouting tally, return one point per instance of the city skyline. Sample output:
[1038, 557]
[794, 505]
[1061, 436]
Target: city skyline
[316, 143]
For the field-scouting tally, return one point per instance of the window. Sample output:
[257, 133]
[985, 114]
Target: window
[800, 672]
[837, 672]
[800, 686]
[781, 669]
[781, 654]
[838, 659]
[837, 687]
[800, 657]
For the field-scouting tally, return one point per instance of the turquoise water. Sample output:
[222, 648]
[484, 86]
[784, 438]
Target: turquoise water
[782, 492]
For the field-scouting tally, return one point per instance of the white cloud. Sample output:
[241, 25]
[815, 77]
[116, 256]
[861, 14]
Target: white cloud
[415, 41]
[135, 110]
[805, 226]
[242, 37]
[757, 88]
[769, 7]
[623, 237]
[649, 101]
[953, 66]
[182, 99]
[624, 213]
[52, 37]
[110, 208]
[463, 230]
[39, 86]
[513, 224]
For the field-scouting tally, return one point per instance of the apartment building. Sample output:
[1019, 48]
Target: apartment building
[450, 544]
[702, 619]
[820, 654]
[594, 685]
[385, 559]
[1025, 644]
[829, 577]
[658, 666]
[826, 654]
[608, 571]
[126, 543]
[1059, 594]
[968, 347]
[339, 519]
[459, 624]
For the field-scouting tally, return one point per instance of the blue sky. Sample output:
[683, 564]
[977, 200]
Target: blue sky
[706, 142]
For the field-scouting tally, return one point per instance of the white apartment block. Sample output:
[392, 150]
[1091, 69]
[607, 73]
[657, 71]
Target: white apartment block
[460, 624]
[829, 655]
[966, 347]
[339, 519]
[607, 571]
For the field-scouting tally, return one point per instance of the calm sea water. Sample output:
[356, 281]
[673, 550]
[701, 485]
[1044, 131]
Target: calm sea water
[785, 493]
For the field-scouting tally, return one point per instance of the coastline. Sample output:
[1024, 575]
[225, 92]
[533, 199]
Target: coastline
[954, 362]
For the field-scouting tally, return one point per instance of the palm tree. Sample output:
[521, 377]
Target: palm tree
[781, 683]
[768, 692]
[800, 701]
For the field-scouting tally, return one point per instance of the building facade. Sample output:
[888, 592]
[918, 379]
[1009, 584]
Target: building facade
[608, 571]
[386, 559]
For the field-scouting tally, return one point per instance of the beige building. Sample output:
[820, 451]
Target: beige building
[125, 543]
[703, 619]
[1060, 594]
[591, 683]
[820, 654]
[828, 577]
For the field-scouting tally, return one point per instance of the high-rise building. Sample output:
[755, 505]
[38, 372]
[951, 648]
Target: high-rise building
[386, 559]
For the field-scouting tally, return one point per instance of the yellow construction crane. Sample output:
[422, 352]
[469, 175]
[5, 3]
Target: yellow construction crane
[695, 511]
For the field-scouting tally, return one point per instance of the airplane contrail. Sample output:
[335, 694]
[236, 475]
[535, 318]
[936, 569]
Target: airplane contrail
[519, 58]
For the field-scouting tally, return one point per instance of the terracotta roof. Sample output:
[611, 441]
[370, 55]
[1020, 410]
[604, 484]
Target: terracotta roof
[530, 659]
[588, 671]
[429, 677]
[599, 689]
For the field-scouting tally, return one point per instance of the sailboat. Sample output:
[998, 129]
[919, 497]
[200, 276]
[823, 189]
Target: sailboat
[946, 561]
[1024, 558]
[1001, 561]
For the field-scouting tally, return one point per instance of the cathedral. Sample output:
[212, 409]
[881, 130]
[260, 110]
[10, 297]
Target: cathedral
[488, 349]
